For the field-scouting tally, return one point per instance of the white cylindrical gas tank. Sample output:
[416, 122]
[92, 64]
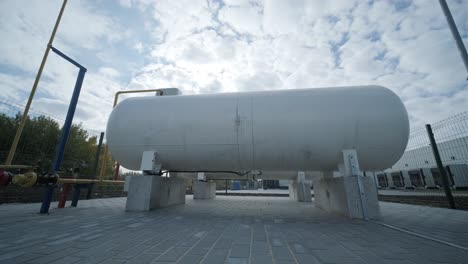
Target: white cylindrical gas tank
[282, 130]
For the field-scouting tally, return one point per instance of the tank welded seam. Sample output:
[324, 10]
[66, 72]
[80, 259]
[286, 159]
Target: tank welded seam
[253, 139]
[238, 124]
[422, 236]
[356, 131]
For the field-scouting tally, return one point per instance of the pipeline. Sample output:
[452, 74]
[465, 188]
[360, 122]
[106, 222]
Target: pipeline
[68, 180]
[30, 178]
[240, 173]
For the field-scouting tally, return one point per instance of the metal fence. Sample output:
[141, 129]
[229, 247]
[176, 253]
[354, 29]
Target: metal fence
[417, 179]
[40, 136]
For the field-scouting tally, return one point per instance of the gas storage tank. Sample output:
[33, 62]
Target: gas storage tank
[281, 130]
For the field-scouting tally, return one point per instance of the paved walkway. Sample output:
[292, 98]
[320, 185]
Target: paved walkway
[438, 223]
[223, 230]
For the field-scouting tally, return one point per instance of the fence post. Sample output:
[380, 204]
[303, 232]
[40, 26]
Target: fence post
[95, 168]
[76, 195]
[455, 33]
[443, 172]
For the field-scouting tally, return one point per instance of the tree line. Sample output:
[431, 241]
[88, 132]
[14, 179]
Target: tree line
[38, 143]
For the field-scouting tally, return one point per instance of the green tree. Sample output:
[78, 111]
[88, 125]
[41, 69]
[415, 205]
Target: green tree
[37, 145]
[7, 132]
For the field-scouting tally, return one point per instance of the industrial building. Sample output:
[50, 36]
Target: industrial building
[417, 168]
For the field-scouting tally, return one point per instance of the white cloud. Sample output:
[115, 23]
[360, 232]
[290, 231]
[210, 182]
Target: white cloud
[26, 29]
[109, 72]
[321, 43]
[426, 110]
[23, 46]
[177, 19]
[243, 18]
[88, 26]
[14, 87]
[283, 17]
[139, 47]
[126, 3]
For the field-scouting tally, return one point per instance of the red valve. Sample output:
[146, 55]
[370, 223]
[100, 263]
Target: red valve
[5, 177]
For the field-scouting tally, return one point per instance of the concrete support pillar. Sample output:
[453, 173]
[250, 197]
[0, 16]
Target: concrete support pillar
[299, 189]
[204, 190]
[149, 192]
[349, 193]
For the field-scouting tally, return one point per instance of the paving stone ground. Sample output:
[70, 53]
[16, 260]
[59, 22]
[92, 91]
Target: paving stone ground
[439, 223]
[223, 230]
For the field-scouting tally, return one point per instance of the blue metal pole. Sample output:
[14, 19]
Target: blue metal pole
[48, 194]
[72, 61]
[68, 121]
[76, 195]
[63, 139]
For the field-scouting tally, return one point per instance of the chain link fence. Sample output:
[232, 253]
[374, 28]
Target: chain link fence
[39, 140]
[416, 178]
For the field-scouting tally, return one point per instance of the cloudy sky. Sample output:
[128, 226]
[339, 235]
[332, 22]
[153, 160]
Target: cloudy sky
[223, 46]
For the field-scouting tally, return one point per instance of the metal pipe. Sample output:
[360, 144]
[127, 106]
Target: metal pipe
[116, 172]
[30, 179]
[76, 195]
[61, 54]
[98, 152]
[25, 167]
[208, 171]
[19, 131]
[68, 121]
[80, 181]
[63, 198]
[116, 97]
[455, 33]
[47, 199]
[443, 172]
